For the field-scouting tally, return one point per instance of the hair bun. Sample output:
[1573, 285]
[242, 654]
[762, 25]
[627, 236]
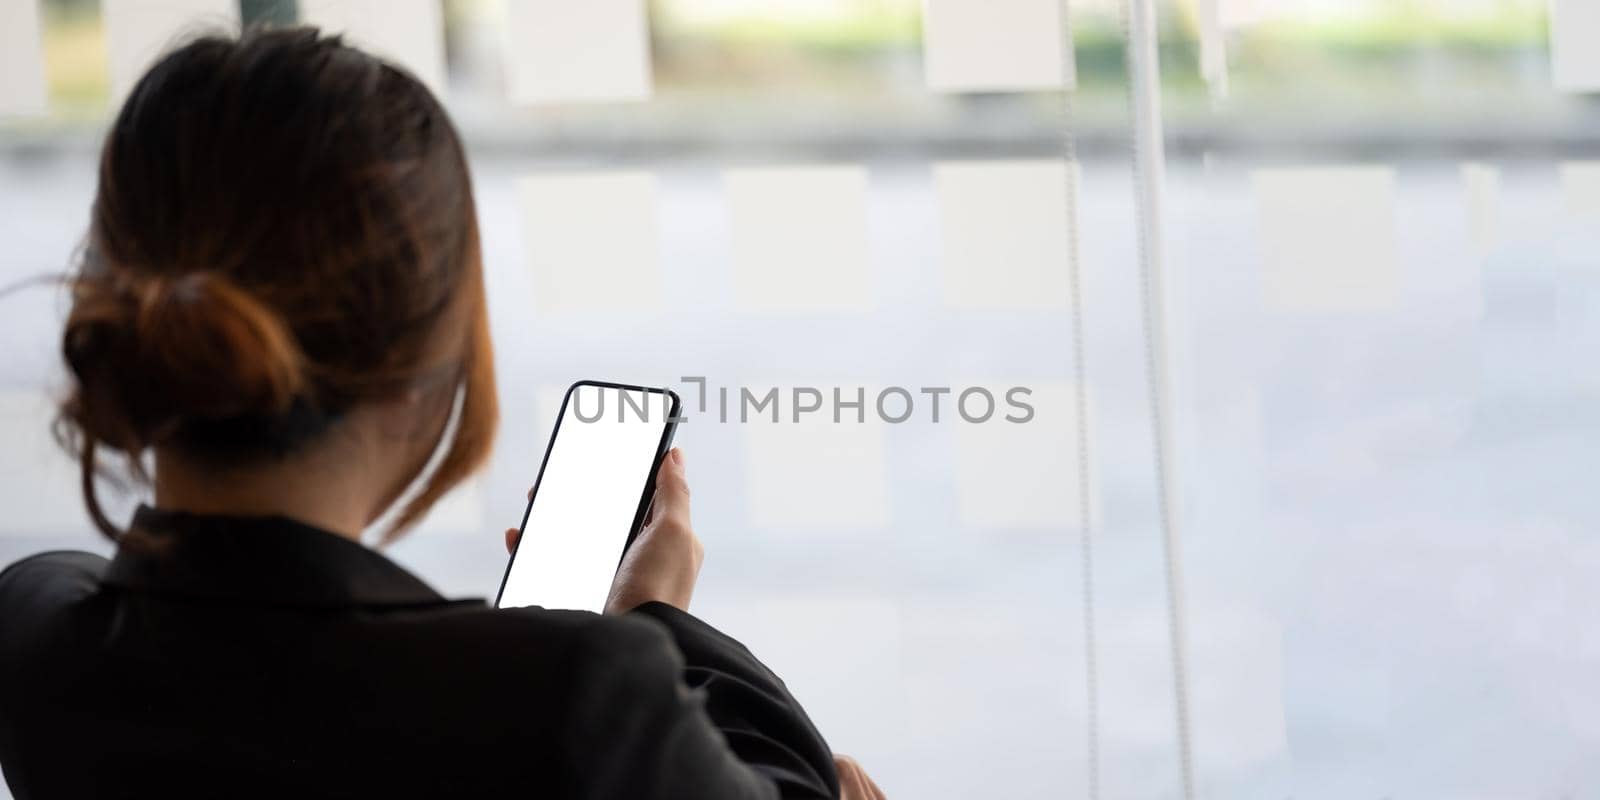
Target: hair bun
[152, 353]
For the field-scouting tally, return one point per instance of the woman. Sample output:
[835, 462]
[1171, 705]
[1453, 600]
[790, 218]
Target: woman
[280, 307]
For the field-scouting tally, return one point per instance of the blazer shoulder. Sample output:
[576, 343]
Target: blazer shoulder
[582, 628]
[597, 639]
[607, 655]
[50, 577]
[575, 640]
[630, 636]
[36, 596]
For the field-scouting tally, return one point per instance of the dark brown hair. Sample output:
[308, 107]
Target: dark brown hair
[284, 230]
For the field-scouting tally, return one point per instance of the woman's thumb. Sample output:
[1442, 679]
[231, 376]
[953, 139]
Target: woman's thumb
[672, 486]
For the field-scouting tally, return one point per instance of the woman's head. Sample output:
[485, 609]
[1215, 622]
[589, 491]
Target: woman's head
[284, 235]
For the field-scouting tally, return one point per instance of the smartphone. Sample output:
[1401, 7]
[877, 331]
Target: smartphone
[591, 496]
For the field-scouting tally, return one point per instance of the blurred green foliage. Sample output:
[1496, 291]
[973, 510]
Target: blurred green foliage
[273, 12]
[846, 45]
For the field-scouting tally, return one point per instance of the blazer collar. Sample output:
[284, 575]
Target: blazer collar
[259, 561]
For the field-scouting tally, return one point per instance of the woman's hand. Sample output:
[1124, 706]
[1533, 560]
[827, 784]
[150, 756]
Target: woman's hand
[664, 560]
[853, 781]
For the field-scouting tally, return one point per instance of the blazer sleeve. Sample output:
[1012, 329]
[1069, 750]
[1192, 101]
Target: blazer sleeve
[668, 707]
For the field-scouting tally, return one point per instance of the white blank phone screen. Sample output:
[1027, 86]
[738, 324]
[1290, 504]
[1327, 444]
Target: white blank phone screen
[588, 494]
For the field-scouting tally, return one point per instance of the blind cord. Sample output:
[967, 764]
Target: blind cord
[1144, 86]
[1080, 372]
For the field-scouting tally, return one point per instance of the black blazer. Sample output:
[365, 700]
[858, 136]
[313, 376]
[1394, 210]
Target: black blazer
[232, 657]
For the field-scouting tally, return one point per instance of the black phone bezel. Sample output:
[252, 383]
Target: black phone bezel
[650, 481]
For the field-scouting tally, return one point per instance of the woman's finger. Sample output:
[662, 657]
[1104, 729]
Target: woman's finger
[854, 783]
[877, 792]
[672, 490]
[512, 534]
